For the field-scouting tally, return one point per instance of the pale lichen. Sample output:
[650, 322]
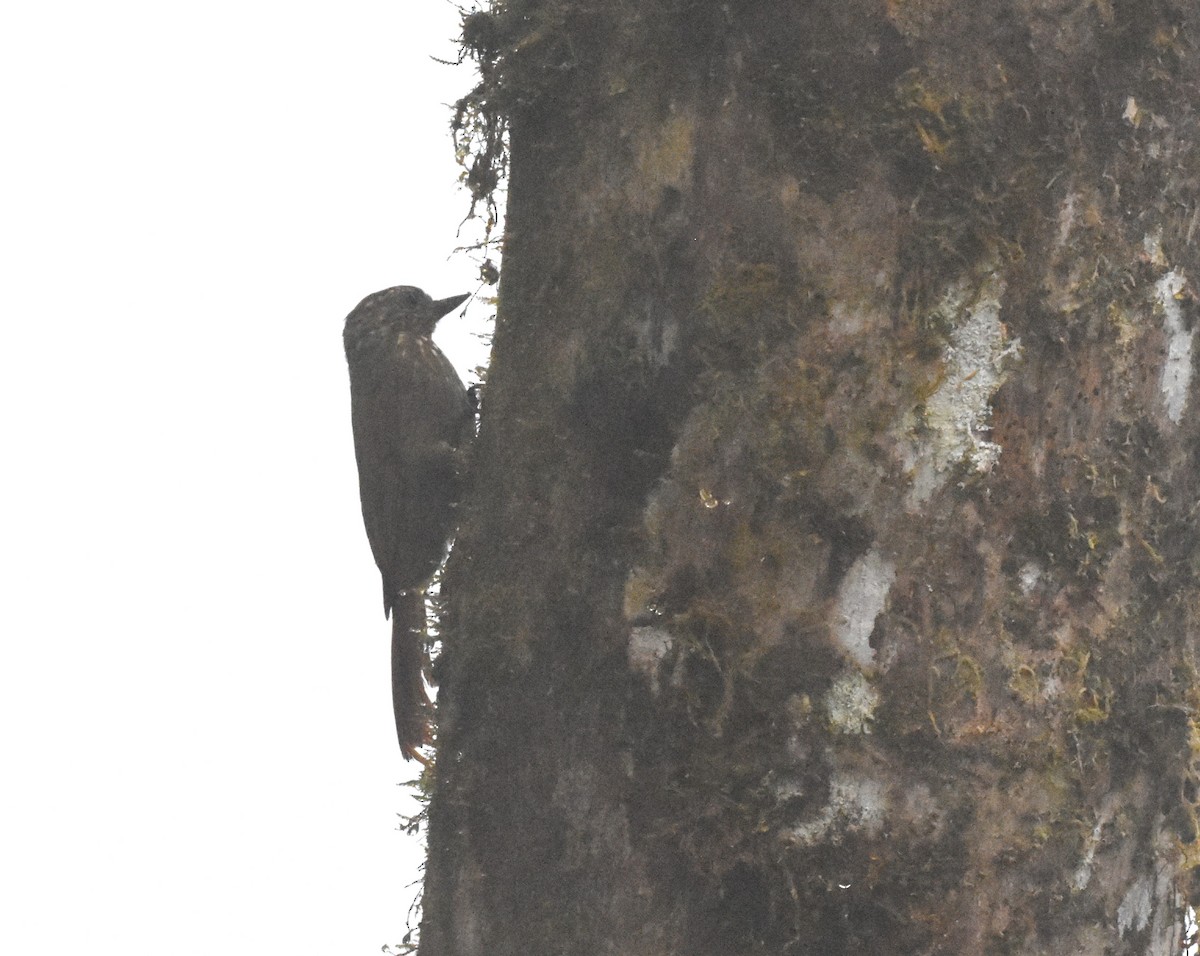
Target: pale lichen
[855, 803]
[850, 703]
[1083, 872]
[1135, 909]
[1177, 369]
[958, 412]
[1029, 577]
[647, 647]
[860, 600]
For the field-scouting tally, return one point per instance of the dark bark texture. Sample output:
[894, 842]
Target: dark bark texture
[828, 581]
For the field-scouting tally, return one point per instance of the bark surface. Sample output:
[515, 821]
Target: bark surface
[828, 582]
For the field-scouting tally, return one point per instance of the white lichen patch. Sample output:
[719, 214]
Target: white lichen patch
[860, 600]
[850, 703]
[1151, 904]
[958, 413]
[855, 803]
[647, 647]
[1133, 112]
[1083, 872]
[1066, 219]
[1135, 909]
[1029, 577]
[1153, 247]
[1177, 369]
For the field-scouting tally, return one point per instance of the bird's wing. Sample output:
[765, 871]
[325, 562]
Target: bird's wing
[407, 414]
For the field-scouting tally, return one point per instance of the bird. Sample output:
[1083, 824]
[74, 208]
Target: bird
[410, 415]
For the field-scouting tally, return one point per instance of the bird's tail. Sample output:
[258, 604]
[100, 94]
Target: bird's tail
[410, 701]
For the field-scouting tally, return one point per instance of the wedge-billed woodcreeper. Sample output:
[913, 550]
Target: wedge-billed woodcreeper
[410, 414]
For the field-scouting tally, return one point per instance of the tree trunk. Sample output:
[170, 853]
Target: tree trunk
[828, 582]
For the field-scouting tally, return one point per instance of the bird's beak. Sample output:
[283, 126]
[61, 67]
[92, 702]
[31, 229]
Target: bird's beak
[442, 306]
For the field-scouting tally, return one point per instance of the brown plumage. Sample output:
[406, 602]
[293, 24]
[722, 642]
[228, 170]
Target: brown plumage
[410, 414]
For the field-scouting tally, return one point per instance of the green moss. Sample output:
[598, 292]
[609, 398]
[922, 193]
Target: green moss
[668, 158]
[1025, 684]
[744, 295]
[746, 313]
[956, 675]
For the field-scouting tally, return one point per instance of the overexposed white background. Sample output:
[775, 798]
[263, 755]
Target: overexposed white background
[195, 728]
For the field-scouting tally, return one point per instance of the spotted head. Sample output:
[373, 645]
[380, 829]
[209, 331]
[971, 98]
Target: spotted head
[402, 308]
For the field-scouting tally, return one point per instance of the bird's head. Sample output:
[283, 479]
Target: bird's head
[402, 308]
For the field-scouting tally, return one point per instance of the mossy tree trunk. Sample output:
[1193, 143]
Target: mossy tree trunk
[829, 580]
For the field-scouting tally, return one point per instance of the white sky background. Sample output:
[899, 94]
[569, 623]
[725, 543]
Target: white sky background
[197, 740]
